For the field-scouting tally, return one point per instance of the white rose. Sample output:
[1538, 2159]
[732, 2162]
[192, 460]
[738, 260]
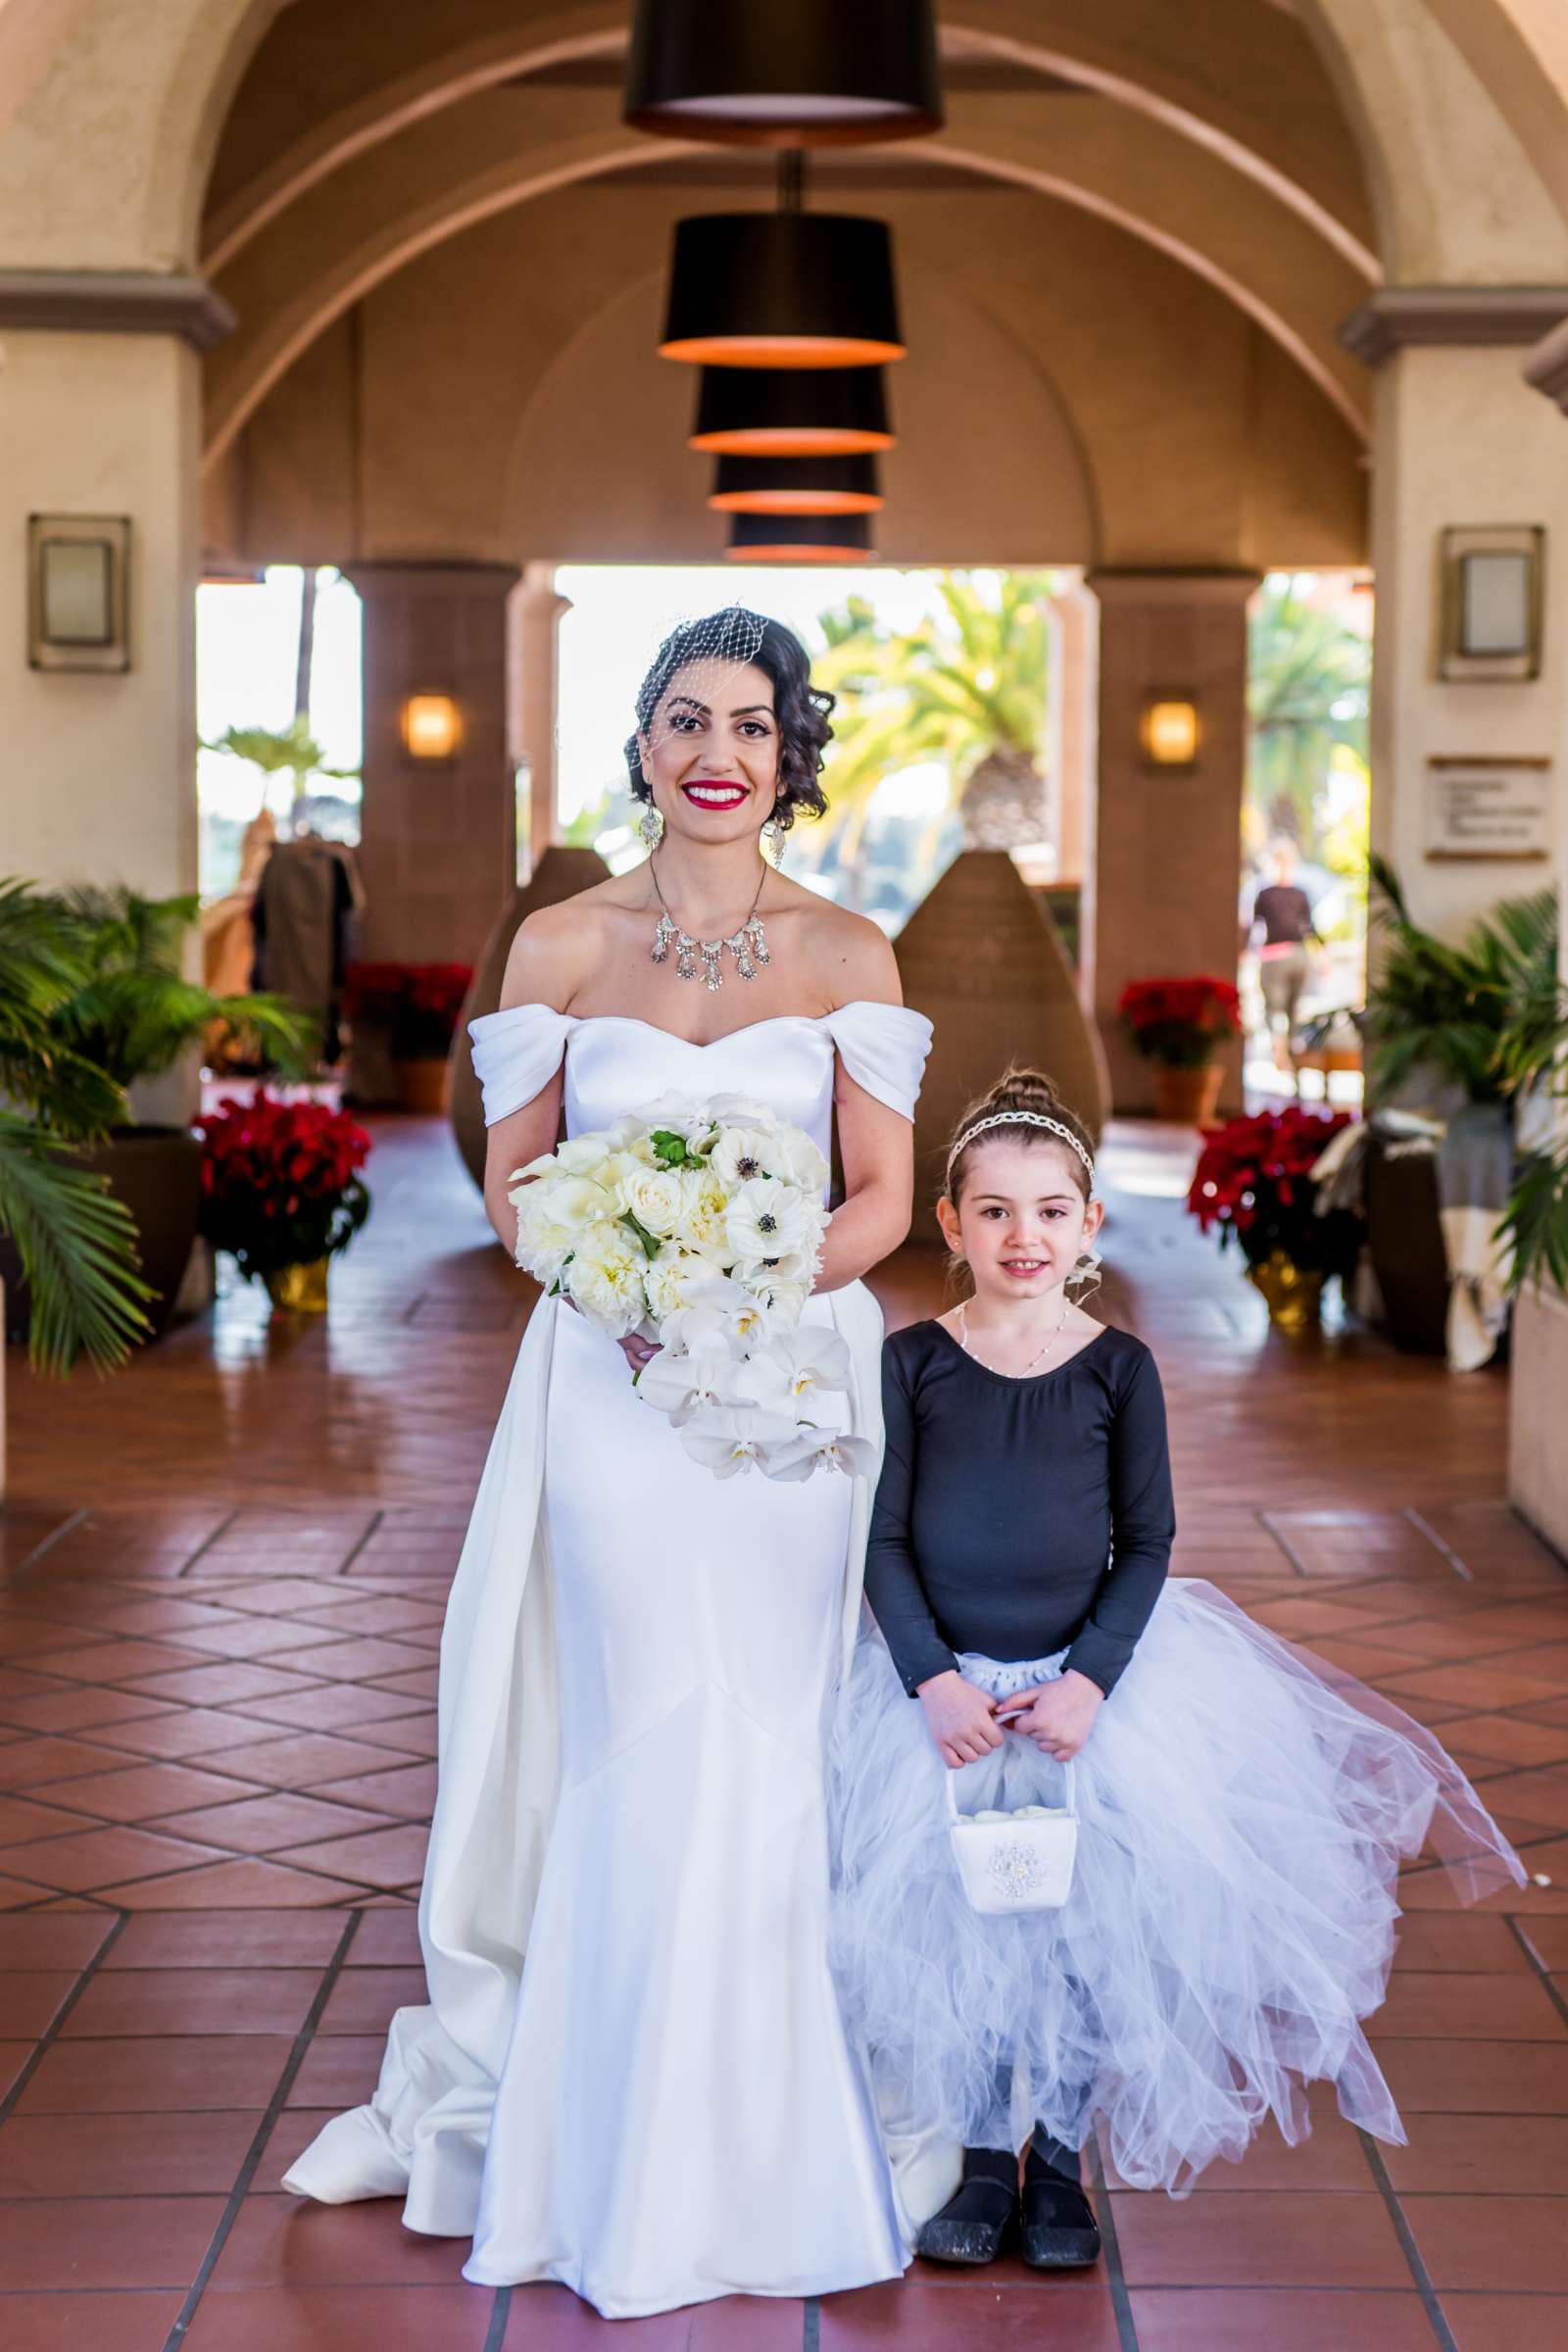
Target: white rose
[655, 1196]
[605, 1278]
[581, 1155]
[796, 1160]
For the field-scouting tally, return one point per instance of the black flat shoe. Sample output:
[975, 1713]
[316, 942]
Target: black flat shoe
[974, 2226]
[1060, 2231]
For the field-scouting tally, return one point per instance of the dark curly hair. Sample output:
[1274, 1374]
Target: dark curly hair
[800, 709]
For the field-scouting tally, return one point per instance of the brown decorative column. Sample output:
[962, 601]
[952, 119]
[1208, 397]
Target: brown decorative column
[438, 836]
[538, 610]
[1167, 840]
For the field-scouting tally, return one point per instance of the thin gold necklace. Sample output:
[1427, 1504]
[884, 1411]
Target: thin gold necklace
[963, 1336]
[748, 945]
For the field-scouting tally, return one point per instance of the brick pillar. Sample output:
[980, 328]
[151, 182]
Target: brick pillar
[1167, 841]
[438, 837]
[538, 610]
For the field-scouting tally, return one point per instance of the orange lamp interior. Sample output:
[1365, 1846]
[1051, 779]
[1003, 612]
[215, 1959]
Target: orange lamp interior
[792, 441]
[795, 502]
[780, 350]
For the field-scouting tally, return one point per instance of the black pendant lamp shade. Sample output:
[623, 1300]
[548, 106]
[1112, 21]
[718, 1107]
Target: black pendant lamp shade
[797, 538]
[784, 73]
[792, 413]
[796, 486]
[787, 289]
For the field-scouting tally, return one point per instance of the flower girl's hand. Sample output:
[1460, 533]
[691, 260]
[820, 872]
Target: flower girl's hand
[959, 1718]
[1057, 1716]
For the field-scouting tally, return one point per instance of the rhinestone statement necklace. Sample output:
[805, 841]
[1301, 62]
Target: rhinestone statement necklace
[748, 945]
[964, 1334]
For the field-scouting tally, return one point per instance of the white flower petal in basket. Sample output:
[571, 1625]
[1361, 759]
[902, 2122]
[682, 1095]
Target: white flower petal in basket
[1015, 1861]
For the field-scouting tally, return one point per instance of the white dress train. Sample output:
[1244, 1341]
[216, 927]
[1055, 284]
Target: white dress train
[632, 2075]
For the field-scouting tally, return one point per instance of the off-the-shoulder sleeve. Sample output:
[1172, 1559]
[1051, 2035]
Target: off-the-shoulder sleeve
[883, 1047]
[516, 1051]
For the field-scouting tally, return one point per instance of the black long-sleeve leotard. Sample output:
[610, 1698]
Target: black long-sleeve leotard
[1019, 1517]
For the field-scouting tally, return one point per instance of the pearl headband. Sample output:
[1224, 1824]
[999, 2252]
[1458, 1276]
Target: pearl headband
[1020, 1118]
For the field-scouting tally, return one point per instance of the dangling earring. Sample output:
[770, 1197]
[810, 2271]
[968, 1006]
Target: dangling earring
[652, 828]
[773, 835]
[1085, 1271]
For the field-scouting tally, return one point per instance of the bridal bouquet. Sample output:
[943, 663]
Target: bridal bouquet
[700, 1224]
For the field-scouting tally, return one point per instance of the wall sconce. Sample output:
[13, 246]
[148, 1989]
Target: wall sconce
[432, 726]
[1168, 730]
[79, 592]
[1491, 603]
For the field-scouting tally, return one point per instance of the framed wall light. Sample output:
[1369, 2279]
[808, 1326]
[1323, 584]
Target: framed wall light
[1169, 729]
[1491, 603]
[79, 592]
[432, 726]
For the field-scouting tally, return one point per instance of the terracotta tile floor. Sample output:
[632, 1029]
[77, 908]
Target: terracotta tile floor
[221, 1580]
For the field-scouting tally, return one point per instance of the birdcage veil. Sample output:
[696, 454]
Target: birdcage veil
[684, 677]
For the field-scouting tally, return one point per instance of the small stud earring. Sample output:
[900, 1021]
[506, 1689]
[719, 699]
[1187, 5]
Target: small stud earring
[651, 827]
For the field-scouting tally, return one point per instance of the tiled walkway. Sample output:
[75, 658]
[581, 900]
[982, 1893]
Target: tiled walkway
[222, 1585]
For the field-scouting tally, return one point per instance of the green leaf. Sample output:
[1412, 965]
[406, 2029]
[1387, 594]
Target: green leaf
[649, 1240]
[77, 1246]
[669, 1148]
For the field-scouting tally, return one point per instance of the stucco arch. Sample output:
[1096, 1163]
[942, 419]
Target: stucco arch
[1132, 55]
[1459, 197]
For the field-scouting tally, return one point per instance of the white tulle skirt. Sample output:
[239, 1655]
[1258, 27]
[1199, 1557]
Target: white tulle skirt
[1231, 1915]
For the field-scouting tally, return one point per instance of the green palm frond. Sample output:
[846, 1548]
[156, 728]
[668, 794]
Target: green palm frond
[78, 1252]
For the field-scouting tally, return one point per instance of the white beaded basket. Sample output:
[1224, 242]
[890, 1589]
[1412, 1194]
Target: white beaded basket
[1021, 1861]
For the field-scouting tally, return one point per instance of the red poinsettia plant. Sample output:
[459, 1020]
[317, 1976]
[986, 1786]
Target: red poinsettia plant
[1254, 1182]
[280, 1182]
[1182, 1023]
[420, 1003]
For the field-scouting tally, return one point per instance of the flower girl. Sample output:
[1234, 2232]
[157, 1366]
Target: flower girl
[1238, 1815]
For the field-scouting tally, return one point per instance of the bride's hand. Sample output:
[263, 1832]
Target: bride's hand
[638, 1352]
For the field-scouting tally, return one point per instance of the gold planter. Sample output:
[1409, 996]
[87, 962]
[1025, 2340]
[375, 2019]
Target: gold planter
[299, 1289]
[1293, 1293]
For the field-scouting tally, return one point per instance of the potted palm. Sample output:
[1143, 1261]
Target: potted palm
[72, 1240]
[1474, 1033]
[128, 1012]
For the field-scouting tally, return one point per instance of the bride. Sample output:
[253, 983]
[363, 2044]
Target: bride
[631, 2075]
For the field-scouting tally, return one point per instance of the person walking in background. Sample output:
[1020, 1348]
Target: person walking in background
[1284, 966]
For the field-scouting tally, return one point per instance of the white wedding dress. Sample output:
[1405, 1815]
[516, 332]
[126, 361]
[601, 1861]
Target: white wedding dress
[632, 2075]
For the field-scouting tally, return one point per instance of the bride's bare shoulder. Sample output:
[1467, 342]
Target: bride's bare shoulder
[853, 955]
[554, 949]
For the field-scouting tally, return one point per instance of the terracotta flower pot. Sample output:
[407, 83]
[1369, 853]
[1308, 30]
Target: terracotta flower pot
[423, 1085]
[1188, 1098]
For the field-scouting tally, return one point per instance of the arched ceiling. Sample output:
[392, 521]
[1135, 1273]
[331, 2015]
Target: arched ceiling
[330, 82]
[508, 146]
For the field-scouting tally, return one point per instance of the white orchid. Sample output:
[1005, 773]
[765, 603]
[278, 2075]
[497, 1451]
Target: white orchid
[727, 1439]
[682, 1383]
[812, 1358]
[798, 1456]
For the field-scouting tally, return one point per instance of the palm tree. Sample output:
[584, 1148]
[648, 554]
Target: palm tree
[1307, 691]
[966, 689]
[291, 751]
[76, 1244]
